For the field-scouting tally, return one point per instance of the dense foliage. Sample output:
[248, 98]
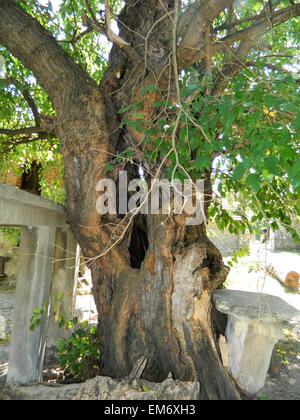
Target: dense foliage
[248, 137]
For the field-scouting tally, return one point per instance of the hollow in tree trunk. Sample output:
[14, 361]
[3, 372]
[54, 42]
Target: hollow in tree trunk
[163, 310]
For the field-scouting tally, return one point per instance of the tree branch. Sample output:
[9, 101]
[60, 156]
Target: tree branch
[190, 54]
[258, 29]
[200, 12]
[234, 24]
[105, 29]
[233, 68]
[268, 65]
[192, 26]
[23, 140]
[27, 96]
[247, 38]
[36, 48]
[75, 37]
[115, 38]
[25, 130]
[93, 25]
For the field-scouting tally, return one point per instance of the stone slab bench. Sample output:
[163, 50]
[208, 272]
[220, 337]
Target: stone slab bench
[254, 327]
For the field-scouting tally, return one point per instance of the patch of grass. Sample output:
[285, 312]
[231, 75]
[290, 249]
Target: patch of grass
[262, 397]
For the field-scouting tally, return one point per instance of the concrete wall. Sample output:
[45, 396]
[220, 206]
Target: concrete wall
[282, 240]
[11, 178]
[226, 242]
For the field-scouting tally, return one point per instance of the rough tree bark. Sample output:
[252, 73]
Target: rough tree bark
[158, 305]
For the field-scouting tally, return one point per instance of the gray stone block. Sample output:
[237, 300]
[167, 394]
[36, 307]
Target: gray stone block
[256, 305]
[253, 328]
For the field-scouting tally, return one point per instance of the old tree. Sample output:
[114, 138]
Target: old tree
[205, 89]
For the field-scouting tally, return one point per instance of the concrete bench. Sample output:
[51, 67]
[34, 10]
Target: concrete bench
[254, 326]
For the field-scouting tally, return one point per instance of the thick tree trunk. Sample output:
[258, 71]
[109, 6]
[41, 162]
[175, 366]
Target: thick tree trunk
[152, 290]
[153, 302]
[163, 311]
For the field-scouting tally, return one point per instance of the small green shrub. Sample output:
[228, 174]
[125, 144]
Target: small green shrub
[78, 356]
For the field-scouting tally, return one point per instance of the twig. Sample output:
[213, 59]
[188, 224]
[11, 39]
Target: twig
[115, 38]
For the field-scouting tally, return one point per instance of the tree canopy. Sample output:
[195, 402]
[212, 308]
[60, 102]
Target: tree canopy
[235, 109]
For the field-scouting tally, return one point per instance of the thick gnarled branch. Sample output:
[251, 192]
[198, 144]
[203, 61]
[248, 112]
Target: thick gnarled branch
[37, 49]
[247, 38]
[188, 53]
[192, 27]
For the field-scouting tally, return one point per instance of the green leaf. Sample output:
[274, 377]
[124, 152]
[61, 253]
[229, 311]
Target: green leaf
[295, 169]
[253, 181]
[285, 135]
[296, 122]
[296, 183]
[151, 131]
[190, 90]
[125, 109]
[60, 344]
[194, 142]
[85, 324]
[152, 89]
[272, 163]
[108, 168]
[62, 321]
[202, 162]
[165, 148]
[135, 125]
[158, 104]
[238, 172]
[58, 297]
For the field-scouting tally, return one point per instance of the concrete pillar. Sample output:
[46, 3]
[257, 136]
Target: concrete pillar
[250, 346]
[32, 290]
[63, 281]
[272, 241]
